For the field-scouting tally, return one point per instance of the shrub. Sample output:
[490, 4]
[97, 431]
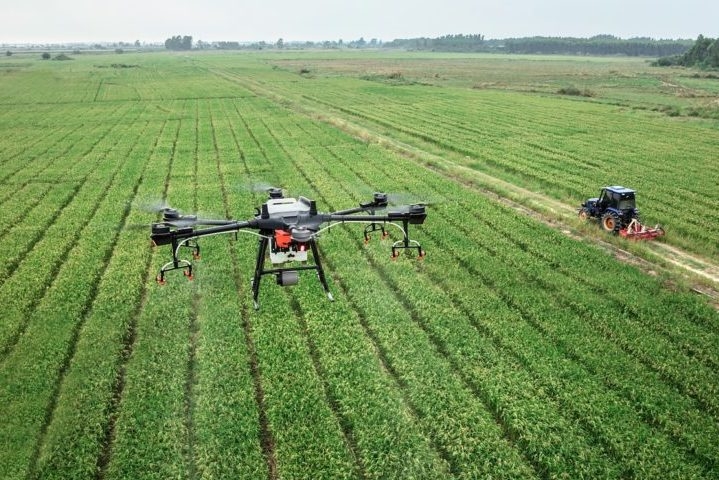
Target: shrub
[575, 91]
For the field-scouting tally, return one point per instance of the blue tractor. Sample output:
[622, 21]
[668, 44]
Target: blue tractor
[615, 208]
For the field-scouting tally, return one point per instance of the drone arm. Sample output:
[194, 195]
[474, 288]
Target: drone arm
[202, 221]
[379, 201]
[163, 235]
[415, 217]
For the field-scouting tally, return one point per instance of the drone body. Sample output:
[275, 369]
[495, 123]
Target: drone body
[287, 229]
[283, 248]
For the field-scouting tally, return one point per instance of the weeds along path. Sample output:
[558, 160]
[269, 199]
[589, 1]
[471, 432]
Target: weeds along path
[701, 274]
[541, 155]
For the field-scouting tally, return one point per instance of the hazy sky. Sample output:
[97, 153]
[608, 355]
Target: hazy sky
[43, 21]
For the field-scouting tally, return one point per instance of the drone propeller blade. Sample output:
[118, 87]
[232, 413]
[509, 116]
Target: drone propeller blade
[406, 199]
[262, 187]
[154, 206]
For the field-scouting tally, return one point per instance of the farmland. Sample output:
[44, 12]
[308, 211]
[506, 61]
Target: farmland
[511, 351]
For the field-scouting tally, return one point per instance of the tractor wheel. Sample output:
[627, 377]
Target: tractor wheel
[611, 223]
[584, 214]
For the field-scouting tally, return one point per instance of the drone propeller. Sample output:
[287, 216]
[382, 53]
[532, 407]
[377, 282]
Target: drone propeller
[263, 187]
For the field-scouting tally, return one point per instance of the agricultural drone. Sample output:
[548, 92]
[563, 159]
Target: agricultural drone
[288, 229]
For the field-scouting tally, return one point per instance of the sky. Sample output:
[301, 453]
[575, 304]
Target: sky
[54, 21]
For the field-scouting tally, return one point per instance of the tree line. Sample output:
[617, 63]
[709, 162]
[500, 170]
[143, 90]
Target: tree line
[597, 45]
[703, 54]
[445, 43]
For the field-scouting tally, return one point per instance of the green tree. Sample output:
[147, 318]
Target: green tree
[46, 56]
[178, 42]
[704, 54]
[712, 59]
[8, 53]
[280, 43]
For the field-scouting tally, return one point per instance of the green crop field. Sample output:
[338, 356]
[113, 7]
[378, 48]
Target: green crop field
[511, 351]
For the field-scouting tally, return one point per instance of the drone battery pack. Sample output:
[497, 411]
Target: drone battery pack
[287, 278]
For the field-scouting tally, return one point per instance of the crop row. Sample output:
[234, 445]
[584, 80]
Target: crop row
[31, 271]
[566, 172]
[228, 393]
[495, 245]
[76, 441]
[345, 176]
[31, 162]
[34, 369]
[183, 413]
[151, 420]
[376, 430]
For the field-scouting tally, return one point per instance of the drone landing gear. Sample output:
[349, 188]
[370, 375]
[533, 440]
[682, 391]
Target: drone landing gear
[177, 264]
[407, 244]
[373, 227]
[285, 276]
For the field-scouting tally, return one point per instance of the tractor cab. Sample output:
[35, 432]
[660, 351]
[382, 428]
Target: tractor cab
[618, 198]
